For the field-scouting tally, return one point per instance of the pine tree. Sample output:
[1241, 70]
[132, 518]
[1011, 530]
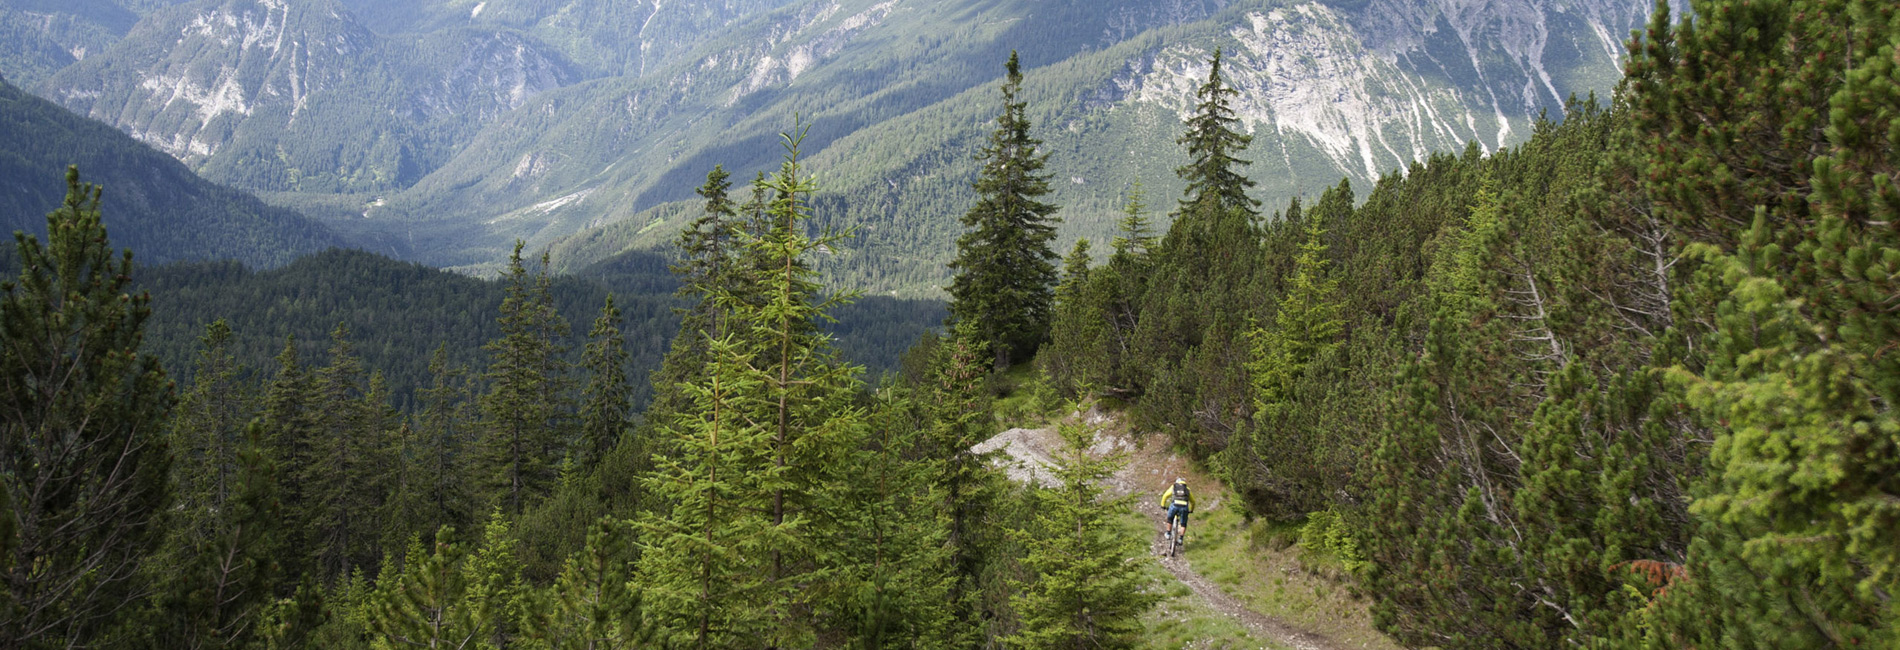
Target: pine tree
[525, 414]
[1004, 266]
[1087, 588]
[221, 579]
[1766, 137]
[83, 459]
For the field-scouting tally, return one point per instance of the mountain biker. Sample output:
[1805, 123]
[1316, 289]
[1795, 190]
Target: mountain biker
[1179, 501]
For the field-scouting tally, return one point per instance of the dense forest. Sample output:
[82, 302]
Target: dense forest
[393, 308]
[1629, 384]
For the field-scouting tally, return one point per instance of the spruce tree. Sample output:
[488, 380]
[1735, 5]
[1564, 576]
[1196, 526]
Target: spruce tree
[525, 412]
[289, 421]
[450, 595]
[342, 479]
[710, 263]
[593, 605]
[1116, 293]
[774, 410]
[83, 458]
[1076, 336]
[444, 438]
[958, 417]
[1215, 185]
[1277, 460]
[708, 248]
[700, 567]
[1004, 266]
[890, 572]
[1135, 237]
[1086, 588]
[207, 426]
[607, 397]
[1202, 290]
[809, 404]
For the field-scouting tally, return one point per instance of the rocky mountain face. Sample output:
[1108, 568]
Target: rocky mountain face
[442, 130]
[297, 95]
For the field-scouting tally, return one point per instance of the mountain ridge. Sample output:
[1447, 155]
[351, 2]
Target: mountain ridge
[589, 162]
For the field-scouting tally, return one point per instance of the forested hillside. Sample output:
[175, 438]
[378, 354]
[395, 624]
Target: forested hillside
[1625, 385]
[169, 212]
[391, 309]
[1628, 384]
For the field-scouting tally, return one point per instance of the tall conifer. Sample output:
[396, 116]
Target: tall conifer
[525, 408]
[774, 411]
[1202, 289]
[342, 478]
[1005, 269]
[958, 414]
[607, 396]
[207, 427]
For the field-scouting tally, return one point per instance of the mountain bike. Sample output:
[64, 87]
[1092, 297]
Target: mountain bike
[1173, 536]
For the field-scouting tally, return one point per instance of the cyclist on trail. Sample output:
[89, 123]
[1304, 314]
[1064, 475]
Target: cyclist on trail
[1179, 502]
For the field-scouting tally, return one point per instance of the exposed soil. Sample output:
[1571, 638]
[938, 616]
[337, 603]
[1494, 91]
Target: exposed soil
[1027, 453]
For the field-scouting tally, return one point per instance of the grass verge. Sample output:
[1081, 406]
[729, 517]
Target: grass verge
[1262, 565]
[1183, 621]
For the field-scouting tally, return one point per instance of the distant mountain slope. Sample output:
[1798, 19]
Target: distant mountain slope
[621, 37]
[38, 37]
[900, 94]
[579, 123]
[156, 206]
[300, 96]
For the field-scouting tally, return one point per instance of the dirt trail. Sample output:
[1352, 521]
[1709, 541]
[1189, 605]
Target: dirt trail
[1027, 453]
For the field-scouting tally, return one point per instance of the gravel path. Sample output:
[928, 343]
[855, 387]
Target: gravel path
[1025, 456]
[1260, 624]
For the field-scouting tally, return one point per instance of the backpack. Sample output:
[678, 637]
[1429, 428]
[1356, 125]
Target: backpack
[1180, 494]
